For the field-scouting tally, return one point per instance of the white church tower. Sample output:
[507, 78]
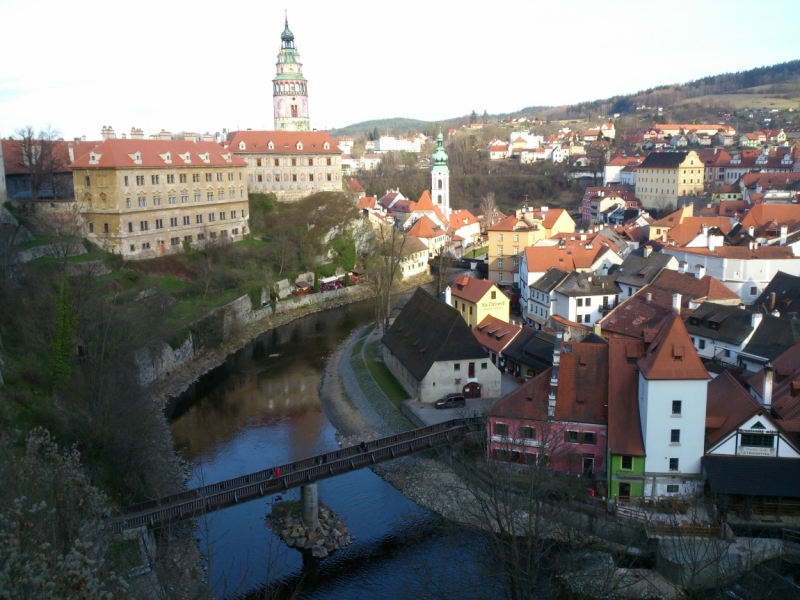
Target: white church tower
[289, 88]
[440, 178]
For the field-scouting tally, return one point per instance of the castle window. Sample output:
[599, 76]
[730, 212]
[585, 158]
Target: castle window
[440, 185]
[439, 198]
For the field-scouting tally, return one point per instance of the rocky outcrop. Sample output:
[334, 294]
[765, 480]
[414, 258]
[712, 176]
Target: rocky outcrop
[330, 535]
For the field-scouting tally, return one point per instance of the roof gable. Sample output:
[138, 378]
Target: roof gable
[427, 331]
[671, 355]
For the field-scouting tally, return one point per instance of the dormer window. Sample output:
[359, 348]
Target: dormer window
[205, 157]
[94, 158]
[242, 146]
[166, 157]
[299, 145]
[271, 146]
[187, 158]
[326, 146]
[136, 157]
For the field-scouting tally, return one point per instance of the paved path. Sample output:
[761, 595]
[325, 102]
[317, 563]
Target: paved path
[377, 410]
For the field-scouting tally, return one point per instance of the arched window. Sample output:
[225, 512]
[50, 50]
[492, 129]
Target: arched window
[440, 185]
[440, 198]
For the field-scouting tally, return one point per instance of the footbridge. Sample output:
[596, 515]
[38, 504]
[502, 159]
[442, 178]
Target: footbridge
[304, 473]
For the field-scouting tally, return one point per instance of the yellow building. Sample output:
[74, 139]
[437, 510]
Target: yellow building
[475, 299]
[290, 164]
[144, 198]
[509, 237]
[663, 177]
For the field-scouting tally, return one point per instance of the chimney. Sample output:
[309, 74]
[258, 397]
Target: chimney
[755, 320]
[107, 133]
[448, 296]
[784, 231]
[773, 297]
[676, 303]
[190, 137]
[648, 297]
[137, 134]
[71, 153]
[682, 267]
[751, 231]
[769, 375]
[699, 271]
[711, 243]
[551, 397]
[647, 251]
[705, 230]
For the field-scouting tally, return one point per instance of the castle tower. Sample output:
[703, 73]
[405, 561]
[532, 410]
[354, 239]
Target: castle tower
[440, 178]
[290, 92]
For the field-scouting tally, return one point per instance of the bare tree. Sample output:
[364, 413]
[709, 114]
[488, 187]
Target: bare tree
[37, 155]
[489, 208]
[383, 267]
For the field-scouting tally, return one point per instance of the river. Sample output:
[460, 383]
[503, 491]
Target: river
[262, 408]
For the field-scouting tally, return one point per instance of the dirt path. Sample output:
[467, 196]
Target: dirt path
[336, 404]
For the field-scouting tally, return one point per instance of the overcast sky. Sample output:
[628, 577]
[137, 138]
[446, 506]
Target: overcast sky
[204, 66]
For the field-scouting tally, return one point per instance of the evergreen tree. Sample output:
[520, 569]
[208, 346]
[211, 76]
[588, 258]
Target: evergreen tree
[316, 283]
[473, 118]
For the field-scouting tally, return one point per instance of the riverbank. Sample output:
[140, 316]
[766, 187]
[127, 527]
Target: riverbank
[181, 378]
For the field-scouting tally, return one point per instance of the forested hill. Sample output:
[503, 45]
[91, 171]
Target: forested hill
[671, 95]
[781, 81]
[393, 126]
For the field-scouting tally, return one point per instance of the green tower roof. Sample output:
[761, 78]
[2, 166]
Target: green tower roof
[287, 35]
[440, 156]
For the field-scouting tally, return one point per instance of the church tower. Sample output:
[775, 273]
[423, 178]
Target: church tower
[440, 178]
[290, 92]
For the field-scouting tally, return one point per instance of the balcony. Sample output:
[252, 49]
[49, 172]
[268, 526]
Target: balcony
[607, 308]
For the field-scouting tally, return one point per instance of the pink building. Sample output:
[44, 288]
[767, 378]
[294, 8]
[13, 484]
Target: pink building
[560, 416]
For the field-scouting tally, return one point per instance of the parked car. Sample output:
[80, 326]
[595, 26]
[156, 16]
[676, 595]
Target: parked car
[452, 401]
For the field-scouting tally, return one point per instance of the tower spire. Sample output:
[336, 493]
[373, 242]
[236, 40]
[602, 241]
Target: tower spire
[290, 92]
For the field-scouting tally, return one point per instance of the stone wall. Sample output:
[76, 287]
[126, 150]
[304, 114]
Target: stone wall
[156, 361]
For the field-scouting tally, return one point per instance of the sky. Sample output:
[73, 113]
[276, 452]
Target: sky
[203, 66]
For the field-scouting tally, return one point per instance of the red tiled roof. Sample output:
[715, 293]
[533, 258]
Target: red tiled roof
[691, 227]
[689, 286]
[728, 405]
[367, 202]
[581, 395]
[461, 218]
[671, 355]
[499, 148]
[495, 334]
[764, 214]
[355, 186]
[787, 371]
[119, 153]
[541, 258]
[425, 202]
[12, 151]
[636, 314]
[472, 289]
[413, 244]
[283, 142]
[624, 426]
[424, 227]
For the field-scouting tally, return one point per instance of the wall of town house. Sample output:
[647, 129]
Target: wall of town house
[443, 379]
[731, 446]
[127, 210]
[293, 178]
[563, 454]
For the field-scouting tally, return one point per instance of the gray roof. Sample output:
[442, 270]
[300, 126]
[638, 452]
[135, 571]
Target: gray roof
[664, 160]
[787, 295]
[729, 324]
[427, 331]
[636, 270]
[587, 284]
[532, 348]
[773, 337]
[550, 280]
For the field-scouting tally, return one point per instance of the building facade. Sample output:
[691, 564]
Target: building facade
[290, 88]
[290, 164]
[144, 198]
[663, 177]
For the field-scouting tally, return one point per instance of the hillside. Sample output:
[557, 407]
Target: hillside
[771, 87]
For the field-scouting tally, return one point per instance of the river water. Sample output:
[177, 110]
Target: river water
[262, 408]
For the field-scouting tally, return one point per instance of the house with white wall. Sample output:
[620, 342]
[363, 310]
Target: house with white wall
[431, 351]
[672, 411]
[744, 270]
[585, 298]
[720, 333]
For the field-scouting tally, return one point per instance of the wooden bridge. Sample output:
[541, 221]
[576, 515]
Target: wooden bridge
[198, 501]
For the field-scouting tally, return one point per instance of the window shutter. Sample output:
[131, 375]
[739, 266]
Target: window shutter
[580, 437]
[566, 436]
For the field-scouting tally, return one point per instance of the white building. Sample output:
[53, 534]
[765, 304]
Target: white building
[387, 143]
[745, 271]
[672, 411]
[586, 298]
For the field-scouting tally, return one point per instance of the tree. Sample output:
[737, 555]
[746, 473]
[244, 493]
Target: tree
[383, 266]
[444, 264]
[485, 117]
[38, 158]
[473, 118]
[489, 208]
[63, 336]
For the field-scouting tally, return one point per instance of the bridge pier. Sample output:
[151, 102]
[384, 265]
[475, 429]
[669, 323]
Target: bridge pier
[309, 498]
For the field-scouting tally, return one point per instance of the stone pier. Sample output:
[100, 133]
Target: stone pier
[309, 498]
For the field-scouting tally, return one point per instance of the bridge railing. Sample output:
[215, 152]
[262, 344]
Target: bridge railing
[216, 495]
